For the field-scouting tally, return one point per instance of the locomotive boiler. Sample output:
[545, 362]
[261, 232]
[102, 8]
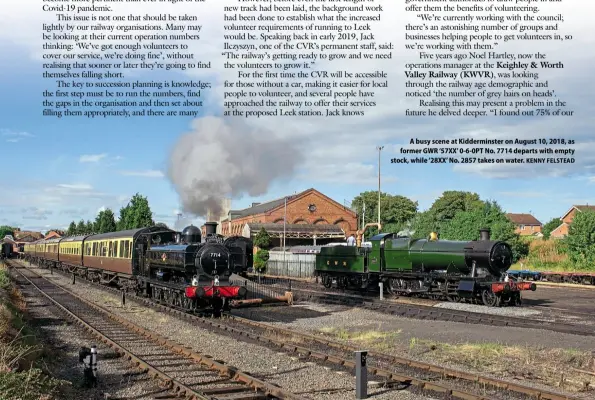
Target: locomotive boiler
[471, 270]
[183, 270]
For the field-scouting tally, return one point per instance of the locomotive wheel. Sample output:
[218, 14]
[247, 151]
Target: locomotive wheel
[490, 299]
[453, 298]
[327, 281]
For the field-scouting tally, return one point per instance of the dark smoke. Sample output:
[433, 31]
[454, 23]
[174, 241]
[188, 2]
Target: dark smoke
[223, 158]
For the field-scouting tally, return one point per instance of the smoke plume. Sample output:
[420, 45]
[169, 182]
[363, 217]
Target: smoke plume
[224, 158]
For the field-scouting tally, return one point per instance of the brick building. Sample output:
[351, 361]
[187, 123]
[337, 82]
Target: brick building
[312, 217]
[562, 230]
[526, 224]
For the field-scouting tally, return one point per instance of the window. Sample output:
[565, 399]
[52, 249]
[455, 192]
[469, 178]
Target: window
[522, 227]
[122, 254]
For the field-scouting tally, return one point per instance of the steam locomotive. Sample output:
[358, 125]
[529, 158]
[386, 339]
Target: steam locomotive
[474, 271]
[182, 270]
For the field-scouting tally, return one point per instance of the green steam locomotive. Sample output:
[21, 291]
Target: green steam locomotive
[474, 271]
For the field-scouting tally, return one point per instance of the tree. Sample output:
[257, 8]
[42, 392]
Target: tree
[105, 221]
[71, 231]
[262, 240]
[453, 201]
[162, 225]
[395, 210]
[465, 225]
[136, 214]
[549, 227]
[443, 210]
[90, 226]
[6, 230]
[81, 228]
[580, 242]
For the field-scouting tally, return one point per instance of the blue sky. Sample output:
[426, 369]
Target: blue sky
[57, 170]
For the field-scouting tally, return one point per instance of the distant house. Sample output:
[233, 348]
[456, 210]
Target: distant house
[562, 230]
[54, 234]
[526, 224]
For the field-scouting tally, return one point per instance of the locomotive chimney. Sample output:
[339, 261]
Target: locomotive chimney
[484, 234]
[210, 228]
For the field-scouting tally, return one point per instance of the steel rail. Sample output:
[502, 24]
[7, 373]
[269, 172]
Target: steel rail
[179, 388]
[535, 393]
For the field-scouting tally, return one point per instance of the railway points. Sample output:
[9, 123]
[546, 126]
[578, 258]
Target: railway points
[197, 376]
[316, 348]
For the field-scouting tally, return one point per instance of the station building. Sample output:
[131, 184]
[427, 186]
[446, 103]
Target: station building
[311, 218]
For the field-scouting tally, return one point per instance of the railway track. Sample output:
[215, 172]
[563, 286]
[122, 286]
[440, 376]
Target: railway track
[158, 353]
[391, 370]
[423, 309]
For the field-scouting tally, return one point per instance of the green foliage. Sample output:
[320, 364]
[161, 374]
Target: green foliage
[580, 242]
[262, 240]
[71, 231]
[395, 210]
[136, 214]
[260, 259]
[549, 227]
[6, 230]
[452, 201]
[465, 225]
[4, 279]
[443, 210]
[105, 221]
[32, 384]
[81, 227]
[90, 227]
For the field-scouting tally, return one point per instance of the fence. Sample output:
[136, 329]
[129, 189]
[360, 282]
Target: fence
[294, 265]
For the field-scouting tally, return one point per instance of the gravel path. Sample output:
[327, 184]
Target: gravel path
[62, 341]
[306, 378]
[316, 317]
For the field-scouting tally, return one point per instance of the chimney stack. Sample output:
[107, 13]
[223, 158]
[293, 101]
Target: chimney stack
[210, 228]
[484, 234]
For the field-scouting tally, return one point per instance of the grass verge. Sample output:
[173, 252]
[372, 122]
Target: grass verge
[569, 369]
[20, 377]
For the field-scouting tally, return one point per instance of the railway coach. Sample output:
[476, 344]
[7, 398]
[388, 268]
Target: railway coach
[177, 269]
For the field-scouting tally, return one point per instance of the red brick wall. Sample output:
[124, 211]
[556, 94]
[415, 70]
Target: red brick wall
[527, 230]
[560, 231]
[327, 212]
[568, 219]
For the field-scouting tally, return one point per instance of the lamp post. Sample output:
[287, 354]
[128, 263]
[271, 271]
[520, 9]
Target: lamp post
[379, 148]
[284, 232]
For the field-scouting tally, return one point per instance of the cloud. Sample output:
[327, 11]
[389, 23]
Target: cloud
[92, 158]
[14, 136]
[149, 173]
[35, 213]
[385, 123]
[352, 173]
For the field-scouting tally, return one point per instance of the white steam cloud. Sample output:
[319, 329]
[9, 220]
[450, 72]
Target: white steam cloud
[224, 158]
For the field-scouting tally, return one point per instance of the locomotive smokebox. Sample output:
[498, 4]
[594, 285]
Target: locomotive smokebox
[211, 228]
[484, 234]
[191, 234]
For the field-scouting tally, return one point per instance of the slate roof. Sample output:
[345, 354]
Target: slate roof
[297, 228]
[264, 207]
[523, 219]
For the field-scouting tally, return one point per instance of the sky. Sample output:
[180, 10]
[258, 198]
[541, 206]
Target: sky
[59, 170]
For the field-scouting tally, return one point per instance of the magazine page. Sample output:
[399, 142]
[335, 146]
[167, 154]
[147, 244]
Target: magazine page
[296, 199]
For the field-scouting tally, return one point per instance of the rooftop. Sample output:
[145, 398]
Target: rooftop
[523, 219]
